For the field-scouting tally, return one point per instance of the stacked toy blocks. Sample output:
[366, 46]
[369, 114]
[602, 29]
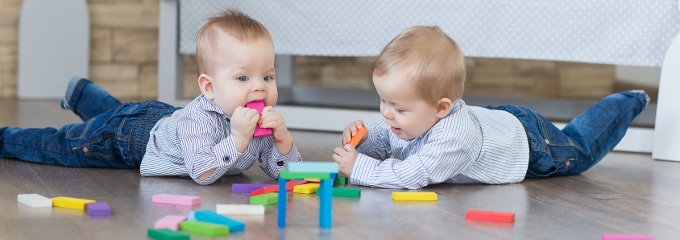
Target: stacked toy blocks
[205, 222]
[325, 172]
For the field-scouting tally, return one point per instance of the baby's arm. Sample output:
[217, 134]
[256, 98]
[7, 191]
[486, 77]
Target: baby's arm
[280, 150]
[415, 172]
[272, 161]
[208, 149]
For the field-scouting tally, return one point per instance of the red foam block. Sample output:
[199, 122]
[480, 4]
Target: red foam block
[479, 215]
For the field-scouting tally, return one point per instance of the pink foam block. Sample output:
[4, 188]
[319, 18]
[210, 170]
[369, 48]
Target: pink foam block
[176, 199]
[625, 237]
[259, 132]
[170, 221]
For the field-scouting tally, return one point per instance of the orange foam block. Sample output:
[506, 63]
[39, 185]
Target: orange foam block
[479, 215]
[176, 199]
[361, 132]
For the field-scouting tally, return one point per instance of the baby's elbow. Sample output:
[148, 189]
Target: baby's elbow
[202, 182]
[416, 186]
[206, 174]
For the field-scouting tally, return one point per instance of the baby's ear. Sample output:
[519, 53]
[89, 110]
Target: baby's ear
[206, 86]
[443, 107]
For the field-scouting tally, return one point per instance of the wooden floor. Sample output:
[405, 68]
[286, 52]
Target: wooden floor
[625, 194]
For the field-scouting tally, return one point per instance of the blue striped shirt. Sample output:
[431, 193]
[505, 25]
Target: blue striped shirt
[470, 145]
[198, 138]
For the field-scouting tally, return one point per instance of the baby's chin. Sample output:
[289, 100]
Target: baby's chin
[402, 135]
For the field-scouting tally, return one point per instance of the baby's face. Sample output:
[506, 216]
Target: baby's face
[243, 72]
[408, 115]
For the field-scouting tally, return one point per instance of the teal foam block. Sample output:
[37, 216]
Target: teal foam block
[213, 217]
[313, 167]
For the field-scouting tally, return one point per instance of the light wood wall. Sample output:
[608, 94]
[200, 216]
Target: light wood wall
[123, 51]
[124, 59]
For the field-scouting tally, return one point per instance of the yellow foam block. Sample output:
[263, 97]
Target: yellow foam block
[414, 196]
[316, 180]
[307, 188]
[69, 202]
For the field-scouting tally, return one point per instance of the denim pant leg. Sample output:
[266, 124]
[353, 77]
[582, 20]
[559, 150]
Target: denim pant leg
[584, 141]
[602, 126]
[114, 139]
[88, 100]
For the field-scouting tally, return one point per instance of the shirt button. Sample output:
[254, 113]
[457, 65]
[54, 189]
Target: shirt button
[280, 163]
[226, 158]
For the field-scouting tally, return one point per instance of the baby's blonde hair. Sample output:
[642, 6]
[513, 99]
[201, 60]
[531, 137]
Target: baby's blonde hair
[436, 62]
[233, 22]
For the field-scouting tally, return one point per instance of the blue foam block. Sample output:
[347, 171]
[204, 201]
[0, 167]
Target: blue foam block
[213, 217]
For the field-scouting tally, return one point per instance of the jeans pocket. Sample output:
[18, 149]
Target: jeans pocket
[542, 164]
[553, 152]
[102, 149]
[91, 127]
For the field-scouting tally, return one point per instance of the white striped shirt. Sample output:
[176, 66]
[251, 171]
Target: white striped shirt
[198, 138]
[470, 145]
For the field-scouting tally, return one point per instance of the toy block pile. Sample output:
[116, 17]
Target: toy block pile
[92, 207]
[326, 172]
[204, 222]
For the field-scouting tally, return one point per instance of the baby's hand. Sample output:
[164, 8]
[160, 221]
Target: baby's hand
[351, 131]
[282, 137]
[272, 119]
[243, 123]
[345, 157]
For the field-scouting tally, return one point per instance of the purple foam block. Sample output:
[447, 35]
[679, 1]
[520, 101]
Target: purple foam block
[98, 209]
[247, 188]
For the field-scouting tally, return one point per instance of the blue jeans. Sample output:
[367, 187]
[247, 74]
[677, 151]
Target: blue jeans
[584, 141]
[112, 135]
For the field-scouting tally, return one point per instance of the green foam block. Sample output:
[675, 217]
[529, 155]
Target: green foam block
[265, 199]
[204, 228]
[166, 234]
[285, 174]
[340, 180]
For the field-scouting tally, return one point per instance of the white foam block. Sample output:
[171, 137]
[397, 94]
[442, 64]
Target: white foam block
[227, 209]
[34, 200]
